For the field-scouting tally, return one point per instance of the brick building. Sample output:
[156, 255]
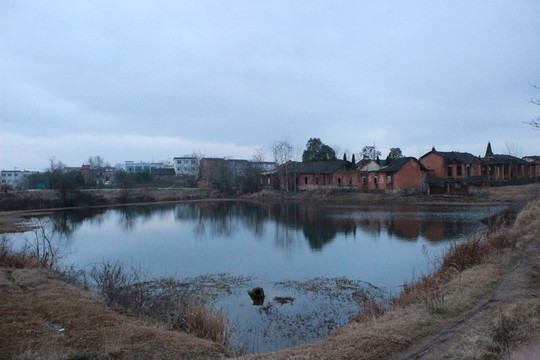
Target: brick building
[404, 174]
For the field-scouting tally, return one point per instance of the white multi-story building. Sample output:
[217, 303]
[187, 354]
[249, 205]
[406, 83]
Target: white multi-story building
[186, 165]
[15, 178]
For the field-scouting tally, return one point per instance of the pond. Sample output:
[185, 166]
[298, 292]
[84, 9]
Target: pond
[314, 261]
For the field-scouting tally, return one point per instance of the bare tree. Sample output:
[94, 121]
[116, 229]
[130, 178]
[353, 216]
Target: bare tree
[198, 155]
[338, 152]
[282, 150]
[259, 155]
[513, 148]
[55, 165]
[96, 163]
[535, 123]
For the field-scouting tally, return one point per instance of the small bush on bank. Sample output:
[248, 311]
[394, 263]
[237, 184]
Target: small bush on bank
[429, 289]
[40, 251]
[158, 298]
[371, 309]
[16, 259]
[207, 323]
[461, 256]
[513, 325]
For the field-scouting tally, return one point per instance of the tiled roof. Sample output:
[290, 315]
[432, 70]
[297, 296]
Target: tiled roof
[463, 157]
[504, 159]
[313, 167]
[398, 164]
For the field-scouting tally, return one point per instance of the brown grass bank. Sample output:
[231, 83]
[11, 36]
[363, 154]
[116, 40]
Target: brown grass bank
[42, 316]
[482, 303]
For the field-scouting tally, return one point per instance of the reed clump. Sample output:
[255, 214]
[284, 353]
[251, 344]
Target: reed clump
[207, 323]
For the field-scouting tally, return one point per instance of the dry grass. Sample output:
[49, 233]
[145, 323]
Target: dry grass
[35, 306]
[207, 323]
[43, 316]
[497, 336]
[25, 258]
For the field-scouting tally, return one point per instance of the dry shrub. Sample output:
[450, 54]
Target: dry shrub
[502, 239]
[207, 323]
[25, 258]
[528, 218]
[427, 290]
[461, 256]
[372, 310]
[514, 325]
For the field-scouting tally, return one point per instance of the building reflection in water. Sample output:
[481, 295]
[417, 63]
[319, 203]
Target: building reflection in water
[319, 224]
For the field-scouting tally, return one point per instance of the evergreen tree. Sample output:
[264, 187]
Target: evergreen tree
[317, 151]
[393, 155]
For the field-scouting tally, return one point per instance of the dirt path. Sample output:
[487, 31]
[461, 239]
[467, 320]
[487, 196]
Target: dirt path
[516, 284]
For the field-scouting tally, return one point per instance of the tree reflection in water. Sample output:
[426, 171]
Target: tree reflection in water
[320, 224]
[370, 242]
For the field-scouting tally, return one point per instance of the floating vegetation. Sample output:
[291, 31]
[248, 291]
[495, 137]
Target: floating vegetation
[305, 311]
[284, 299]
[339, 289]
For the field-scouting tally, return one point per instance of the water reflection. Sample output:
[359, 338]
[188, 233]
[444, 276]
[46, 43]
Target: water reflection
[272, 243]
[67, 222]
[319, 224]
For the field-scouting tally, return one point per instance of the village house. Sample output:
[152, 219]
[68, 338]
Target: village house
[436, 172]
[534, 163]
[310, 175]
[132, 166]
[453, 165]
[16, 179]
[366, 165]
[501, 168]
[186, 166]
[452, 172]
[212, 172]
[459, 172]
[404, 174]
[220, 172]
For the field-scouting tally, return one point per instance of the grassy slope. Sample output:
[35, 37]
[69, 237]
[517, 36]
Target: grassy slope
[35, 304]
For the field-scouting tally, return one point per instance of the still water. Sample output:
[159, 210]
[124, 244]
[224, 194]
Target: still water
[316, 255]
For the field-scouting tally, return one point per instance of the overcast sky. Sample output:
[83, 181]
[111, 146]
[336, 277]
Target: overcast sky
[151, 80]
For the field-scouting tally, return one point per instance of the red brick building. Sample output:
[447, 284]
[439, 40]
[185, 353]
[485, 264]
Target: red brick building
[213, 172]
[498, 167]
[311, 175]
[534, 163]
[454, 165]
[404, 174]
[458, 172]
